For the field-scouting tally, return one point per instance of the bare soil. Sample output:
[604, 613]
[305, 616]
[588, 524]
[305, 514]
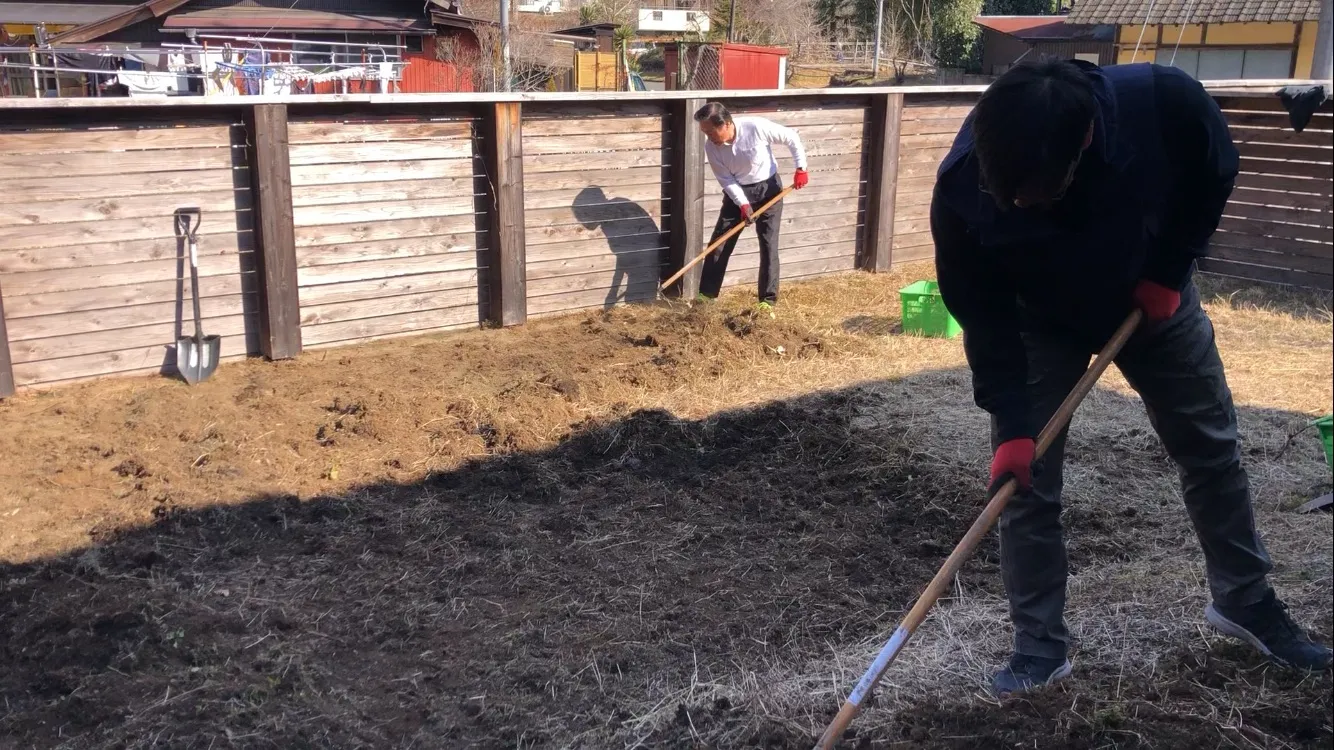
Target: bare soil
[649, 527]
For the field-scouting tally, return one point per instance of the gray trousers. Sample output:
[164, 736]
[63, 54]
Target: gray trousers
[1175, 368]
[766, 226]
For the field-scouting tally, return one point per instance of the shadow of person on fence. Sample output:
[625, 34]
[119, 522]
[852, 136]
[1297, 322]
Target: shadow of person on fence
[633, 237]
[501, 603]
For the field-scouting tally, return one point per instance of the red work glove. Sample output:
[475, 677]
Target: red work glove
[745, 213]
[800, 179]
[1157, 301]
[1014, 458]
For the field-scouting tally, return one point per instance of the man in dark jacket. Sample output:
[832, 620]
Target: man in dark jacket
[1072, 195]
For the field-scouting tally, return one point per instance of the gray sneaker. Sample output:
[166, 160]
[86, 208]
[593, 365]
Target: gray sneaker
[1025, 673]
[1267, 627]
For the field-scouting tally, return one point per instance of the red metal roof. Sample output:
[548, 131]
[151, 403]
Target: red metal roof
[1041, 27]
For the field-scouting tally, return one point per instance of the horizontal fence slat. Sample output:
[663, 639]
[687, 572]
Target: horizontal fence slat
[1266, 274]
[375, 307]
[140, 360]
[406, 247]
[55, 213]
[121, 275]
[379, 151]
[153, 313]
[320, 133]
[123, 162]
[98, 342]
[74, 258]
[465, 259]
[36, 189]
[585, 125]
[101, 298]
[590, 143]
[353, 173]
[354, 213]
[336, 234]
[119, 230]
[579, 162]
[388, 286]
[367, 328]
[398, 190]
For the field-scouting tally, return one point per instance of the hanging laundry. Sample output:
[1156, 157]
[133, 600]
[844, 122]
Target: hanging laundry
[145, 83]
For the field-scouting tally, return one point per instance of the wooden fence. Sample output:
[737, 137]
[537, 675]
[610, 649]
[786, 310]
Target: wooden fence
[342, 219]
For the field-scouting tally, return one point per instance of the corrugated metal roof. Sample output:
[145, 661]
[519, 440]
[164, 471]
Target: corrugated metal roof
[1044, 27]
[282, 19]
[1193, 11]
[59, 13]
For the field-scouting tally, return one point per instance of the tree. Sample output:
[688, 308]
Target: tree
[1019, 7]
[954, 36]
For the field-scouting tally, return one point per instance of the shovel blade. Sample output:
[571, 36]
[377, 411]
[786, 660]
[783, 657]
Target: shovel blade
[197, 358]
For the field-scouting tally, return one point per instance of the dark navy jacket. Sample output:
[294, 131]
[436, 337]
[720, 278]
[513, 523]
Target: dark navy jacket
[1146, 197]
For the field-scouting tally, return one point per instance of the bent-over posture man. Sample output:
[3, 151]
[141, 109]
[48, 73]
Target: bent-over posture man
[1072, 195]
[740, 151]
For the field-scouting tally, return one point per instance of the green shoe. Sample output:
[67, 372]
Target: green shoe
[703, 299]
[765, 308]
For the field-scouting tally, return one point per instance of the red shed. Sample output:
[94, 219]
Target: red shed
[725, 66]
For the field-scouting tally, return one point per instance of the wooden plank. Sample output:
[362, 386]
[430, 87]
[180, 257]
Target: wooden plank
[507, 294]
[920, 111]
[279, 305]
[338, 234]
[372, 288]
[307, 196]
[408, 247]
[36, 189]
[926, 141]
[1320, 249]
[1276, 119]
[913, 253]
[814, 115]
[102, 140]
[319, 133]
[1286, 152]
[906, 200]
[106, 209]
[119, 162]
[1280, 214]
[423, 169]
[1306, 185]
[1290, 168]
[647, 213]
[344, 153]
[591, 195]
[162, 226]
[1262, 257]
[1257, 228]
[916, 184]
[924, 169]
[642, 291]
[123, 274]
[597, 247]
[603, 178]
[159, 358]
[1319, 138]
[414, 322]
[379, 269]
[231, 327]
[338, 312]
[612, 230]
[911, 226]
[904, 241]
[620, 277]
[606, 262]
[355, 213]
[1263, 273]
[923, 156]
[832, 147]
[882, 182]
[580, 162]
[536, 127]
[592, 143]
[1280, 198]
[113, 253]
[916, 211]
[128, 316]
[932, 126]
[6, 362]
[101, 298]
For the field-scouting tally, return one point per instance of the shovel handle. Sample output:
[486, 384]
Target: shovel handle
[945, 576]
[724, 238]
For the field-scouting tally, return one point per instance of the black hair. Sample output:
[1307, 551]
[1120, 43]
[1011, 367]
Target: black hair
[1029, 128]
[713, 113]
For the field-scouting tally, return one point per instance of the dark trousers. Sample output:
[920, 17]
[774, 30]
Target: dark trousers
[1175, 368]
[766, 226]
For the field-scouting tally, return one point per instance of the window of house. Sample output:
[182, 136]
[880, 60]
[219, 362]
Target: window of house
[1088, 57]
[1228, 63]
[657, 15]
[413, 43]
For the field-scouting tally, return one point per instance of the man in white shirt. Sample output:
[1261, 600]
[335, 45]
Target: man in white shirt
[740, 151]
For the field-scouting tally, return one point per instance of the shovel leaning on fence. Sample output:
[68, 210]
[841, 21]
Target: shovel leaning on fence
[723, 239]
[941, 583]
[197, 355]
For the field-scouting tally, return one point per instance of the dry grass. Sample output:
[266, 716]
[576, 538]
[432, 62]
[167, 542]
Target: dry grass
[790, 527]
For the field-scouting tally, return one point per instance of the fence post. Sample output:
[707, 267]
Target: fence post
[6, 365]
[687, 195]
[877, 251]
[503, 155]
[274, 231]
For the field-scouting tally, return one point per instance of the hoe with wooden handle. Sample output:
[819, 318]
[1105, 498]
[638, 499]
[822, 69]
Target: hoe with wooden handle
[941, 583]
[726, 236]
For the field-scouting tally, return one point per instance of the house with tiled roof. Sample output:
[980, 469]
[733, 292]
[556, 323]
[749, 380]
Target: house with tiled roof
[1007, 40]
[1211, 39]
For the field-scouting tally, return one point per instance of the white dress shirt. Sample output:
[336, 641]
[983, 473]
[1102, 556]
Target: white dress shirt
[749, 158]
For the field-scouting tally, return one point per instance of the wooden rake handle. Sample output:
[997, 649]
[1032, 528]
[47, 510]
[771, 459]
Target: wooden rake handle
[726, 236]
[941, 583]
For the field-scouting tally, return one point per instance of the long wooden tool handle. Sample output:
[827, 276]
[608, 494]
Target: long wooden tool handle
[726, 236]
[941, 583]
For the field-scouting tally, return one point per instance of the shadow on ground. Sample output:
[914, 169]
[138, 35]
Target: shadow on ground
[549, 599]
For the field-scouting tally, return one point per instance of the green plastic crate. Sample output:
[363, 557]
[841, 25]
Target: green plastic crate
[1326, 427]
[924, 311]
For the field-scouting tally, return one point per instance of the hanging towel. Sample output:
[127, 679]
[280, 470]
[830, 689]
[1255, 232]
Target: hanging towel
[1301, 102]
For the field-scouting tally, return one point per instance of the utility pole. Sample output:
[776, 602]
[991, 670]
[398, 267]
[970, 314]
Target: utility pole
[505, 72]
[879, 28]
[1324, 43]
[731, 21]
